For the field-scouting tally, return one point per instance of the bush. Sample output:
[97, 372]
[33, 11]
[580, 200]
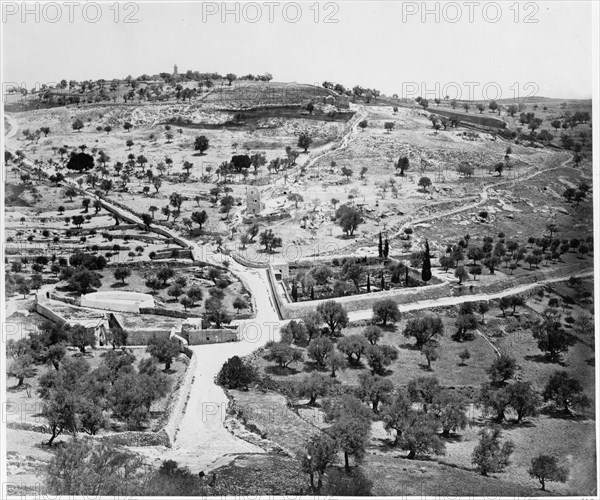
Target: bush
[236, 374]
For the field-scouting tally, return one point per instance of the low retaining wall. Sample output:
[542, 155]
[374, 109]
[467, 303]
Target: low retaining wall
[126, 438]
[180, 401]
[48, 313]
[106, 204]
[248, 263]
[137, 438]
[265, 218]
[478, 119]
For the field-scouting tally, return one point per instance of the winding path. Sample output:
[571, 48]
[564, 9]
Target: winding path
[483, 197]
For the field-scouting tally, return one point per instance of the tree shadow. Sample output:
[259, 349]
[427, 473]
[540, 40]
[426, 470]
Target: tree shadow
[305, 406]
[118, 285]
[280, 370]
[453, 437]
[312, 366]
[356, 366]
[542, 358]
[561, 414]
[386, 444]
[16, 388]
[425, 368]
[410, 346]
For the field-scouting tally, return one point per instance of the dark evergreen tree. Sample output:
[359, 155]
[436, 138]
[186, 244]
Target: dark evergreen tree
[380, 247]
[386, 249]
[426, 271]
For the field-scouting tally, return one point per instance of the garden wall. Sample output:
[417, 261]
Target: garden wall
[171, 313]
[366, 301]
[211, 336]
[143, 337]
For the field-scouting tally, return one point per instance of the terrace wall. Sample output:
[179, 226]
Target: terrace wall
[486, 121]
[155, 227]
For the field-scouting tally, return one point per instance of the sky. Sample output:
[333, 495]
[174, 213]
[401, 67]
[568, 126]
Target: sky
[469, 50]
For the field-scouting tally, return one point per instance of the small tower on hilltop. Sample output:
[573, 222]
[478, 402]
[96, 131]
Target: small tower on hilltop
[253, 203]
[175, 73]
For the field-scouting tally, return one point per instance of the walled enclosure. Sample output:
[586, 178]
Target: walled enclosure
[117, 301]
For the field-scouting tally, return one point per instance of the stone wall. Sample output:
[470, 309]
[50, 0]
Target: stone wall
[143, 337]
[126, 438]
[288, 310]
[48, 313]
[179, 402]
[211, 336]
[137, 438]
[171, 313]
[476, 118]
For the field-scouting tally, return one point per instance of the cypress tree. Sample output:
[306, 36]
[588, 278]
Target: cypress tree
[426, 271]
[368, 283]
[294, 291]
[386, 248]
[380, 246]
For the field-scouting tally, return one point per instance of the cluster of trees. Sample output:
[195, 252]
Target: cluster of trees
[160, 87]
[491, 254]
[367, 94]
[577, 194]
[562, 391]
[191, 296]
[319, 333]
[80, 272]
[424, 413]
[420, 417]
[79, 399]
[355, 275]
[86, 467]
